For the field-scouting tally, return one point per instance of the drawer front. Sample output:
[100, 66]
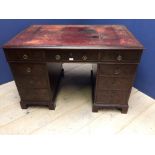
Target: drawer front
[121, 56]
[31, 81]
[111, 97]
[88, 56]
[24, 55]
[59, 56]
[124, 70]
[34, 94]
[113, 83]
[28, 69]
[68, 56]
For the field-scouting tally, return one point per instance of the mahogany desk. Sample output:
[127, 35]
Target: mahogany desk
[36, 55]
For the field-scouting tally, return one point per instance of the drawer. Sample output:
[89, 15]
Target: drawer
[121, 56]
[88, 56]
[34, 94]
[123, 70]
[111, 97]
[24, 55]
[31, 81]
[113, 83]
[28, 69]
[81, 55]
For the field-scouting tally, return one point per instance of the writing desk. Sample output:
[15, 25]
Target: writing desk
[36, 55]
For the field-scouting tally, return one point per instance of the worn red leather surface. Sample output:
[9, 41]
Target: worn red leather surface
[97, 36]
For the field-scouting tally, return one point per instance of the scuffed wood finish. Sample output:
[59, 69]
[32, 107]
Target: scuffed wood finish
[36, 56]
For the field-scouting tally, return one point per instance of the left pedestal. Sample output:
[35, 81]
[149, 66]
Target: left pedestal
[36, 80]
[33, 84]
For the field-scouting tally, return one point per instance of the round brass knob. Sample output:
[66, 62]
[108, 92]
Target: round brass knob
[57, 57]
[117, 71]
[119, 58]
[28, 70]
[25, 56]
[84, 57]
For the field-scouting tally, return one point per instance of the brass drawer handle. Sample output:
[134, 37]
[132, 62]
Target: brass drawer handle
[119, 58]
[117, 71]
[25, 56]
[28, 70]
[57, 57]
[84, 57]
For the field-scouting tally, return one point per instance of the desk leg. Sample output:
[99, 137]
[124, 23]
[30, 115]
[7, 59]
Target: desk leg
[124, 110]
[23, 105]
[94, 109]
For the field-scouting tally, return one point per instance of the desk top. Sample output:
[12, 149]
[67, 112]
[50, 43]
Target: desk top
[75, 36]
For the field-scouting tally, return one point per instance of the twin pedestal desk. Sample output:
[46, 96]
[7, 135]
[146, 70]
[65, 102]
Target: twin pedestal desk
[36, 56]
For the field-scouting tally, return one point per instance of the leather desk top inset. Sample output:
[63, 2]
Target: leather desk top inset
[75, 36]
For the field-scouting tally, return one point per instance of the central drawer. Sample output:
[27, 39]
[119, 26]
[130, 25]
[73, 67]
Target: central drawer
[113, 83]
[69, 56]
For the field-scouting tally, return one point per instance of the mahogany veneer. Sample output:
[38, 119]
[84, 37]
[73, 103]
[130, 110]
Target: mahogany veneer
[36, 56]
